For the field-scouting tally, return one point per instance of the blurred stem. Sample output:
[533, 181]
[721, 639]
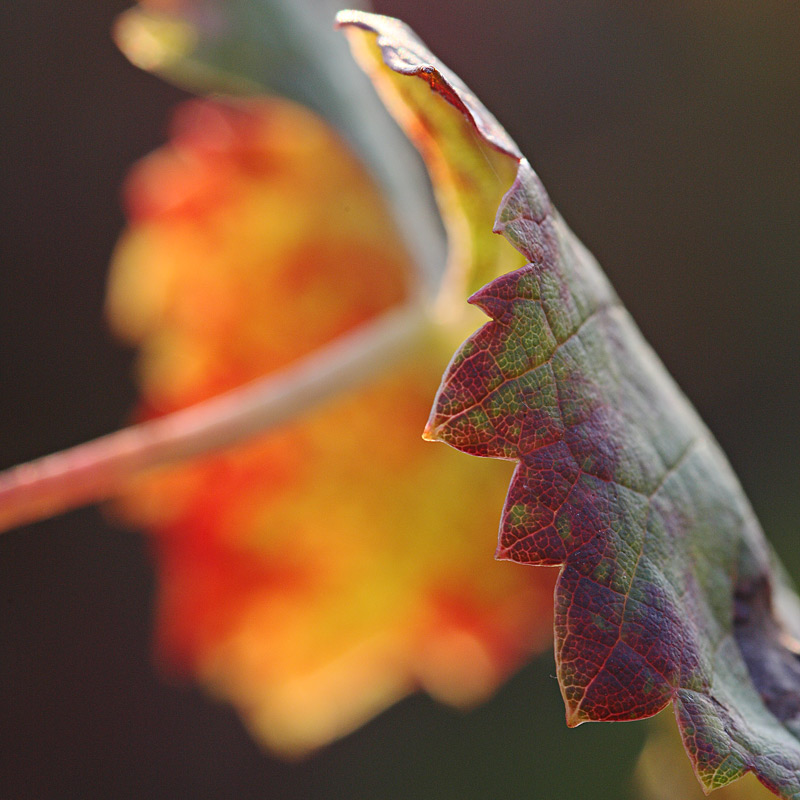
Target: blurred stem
[98, 469]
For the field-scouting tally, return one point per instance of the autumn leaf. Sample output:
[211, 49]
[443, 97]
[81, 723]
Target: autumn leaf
[312, 576]
[210, 46]
[319, 573]
[667, 590]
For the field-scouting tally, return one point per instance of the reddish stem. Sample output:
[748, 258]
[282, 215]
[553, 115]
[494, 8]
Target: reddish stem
[96, 470]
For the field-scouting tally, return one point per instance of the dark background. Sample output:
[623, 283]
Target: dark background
[668, 136]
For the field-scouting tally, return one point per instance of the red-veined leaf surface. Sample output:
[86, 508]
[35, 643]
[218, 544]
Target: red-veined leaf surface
[667, 590]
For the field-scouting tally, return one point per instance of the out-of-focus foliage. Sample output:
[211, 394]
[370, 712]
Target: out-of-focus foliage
[321, 572]
[288, 48]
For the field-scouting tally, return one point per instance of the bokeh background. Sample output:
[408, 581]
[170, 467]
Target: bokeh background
[668, 136]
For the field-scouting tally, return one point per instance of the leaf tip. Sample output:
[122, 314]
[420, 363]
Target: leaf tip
[575, 716]
[486, 300]
[502, 553]
[431, 431]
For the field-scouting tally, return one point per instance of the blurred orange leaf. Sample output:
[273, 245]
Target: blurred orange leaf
[318, 573]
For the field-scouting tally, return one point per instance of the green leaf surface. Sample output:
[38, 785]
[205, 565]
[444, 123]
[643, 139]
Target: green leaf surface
[668, 590]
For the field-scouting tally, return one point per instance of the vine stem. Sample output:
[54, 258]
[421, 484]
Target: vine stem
[97, 469]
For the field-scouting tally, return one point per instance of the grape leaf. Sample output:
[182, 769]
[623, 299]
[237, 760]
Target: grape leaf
[311, 576]
[667, 589]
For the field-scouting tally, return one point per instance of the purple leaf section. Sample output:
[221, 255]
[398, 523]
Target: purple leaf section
[668, 590]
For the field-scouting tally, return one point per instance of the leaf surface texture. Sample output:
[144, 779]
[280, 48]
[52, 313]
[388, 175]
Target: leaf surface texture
[667, 590]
